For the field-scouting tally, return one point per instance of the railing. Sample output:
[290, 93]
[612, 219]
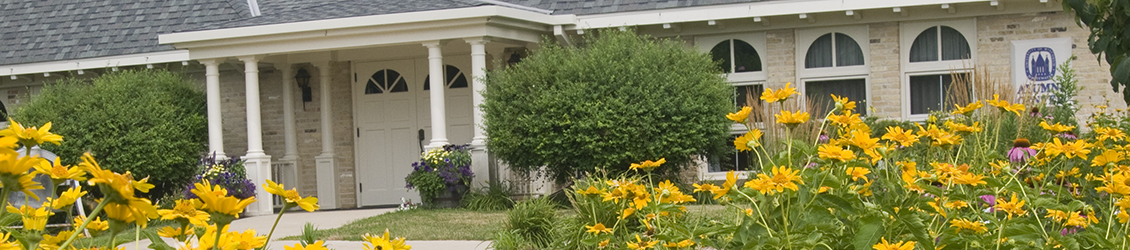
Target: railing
[285, 173]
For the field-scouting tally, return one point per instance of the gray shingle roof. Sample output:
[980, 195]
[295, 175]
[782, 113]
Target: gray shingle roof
[52, 30]
[588, 7]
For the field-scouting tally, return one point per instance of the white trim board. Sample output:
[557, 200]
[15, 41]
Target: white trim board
[95, 63]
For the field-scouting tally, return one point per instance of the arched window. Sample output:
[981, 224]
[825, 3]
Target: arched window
[736, 56]
[834, 63]
[938, 60]
[939, 42]
[453, 78]
[386, 81]
[833, 50]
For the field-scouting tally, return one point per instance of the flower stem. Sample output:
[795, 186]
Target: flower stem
[89, 217]
[220, 231]
[281, 212]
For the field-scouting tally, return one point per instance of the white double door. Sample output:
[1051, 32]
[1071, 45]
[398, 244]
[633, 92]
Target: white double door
[391, 107]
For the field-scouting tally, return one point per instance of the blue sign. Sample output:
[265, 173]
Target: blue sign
[1039, 64]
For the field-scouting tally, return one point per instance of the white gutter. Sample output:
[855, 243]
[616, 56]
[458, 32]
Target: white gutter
[365, 21]
[95, 63]
[747, 10]
[517, 6]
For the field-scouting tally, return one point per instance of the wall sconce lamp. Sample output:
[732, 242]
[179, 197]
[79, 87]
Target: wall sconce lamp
[303, 80]
[515, 58]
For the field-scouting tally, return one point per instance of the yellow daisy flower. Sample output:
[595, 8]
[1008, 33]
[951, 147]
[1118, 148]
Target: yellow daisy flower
[383, 243]
[780, 95]
[792, 119]
[597, 229]
[97, 224]
[648, 165]
[965, 224]
[906, 138]
[291, 196]
[185, 210]
[59, 172]
[1012, 207]
[318, 245]
[31, 136]
[33, 218]
[967, 109]
[833, 152]
[740, 116]
[884, 245]
[857, 173]
[216, 199]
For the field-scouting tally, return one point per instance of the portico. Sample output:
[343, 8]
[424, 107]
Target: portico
[411, 82]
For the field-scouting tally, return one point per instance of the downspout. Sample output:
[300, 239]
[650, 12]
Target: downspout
[253, 7]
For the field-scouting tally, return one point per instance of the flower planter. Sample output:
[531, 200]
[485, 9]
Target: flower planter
[450, 199]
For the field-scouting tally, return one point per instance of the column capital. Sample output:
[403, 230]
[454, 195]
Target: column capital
[210, 62]
[435, 44]
[251, 58]
[321, 64]
[477, 40]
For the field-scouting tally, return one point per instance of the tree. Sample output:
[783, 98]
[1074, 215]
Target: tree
[617, 99]
[1110, 35]
[151, 123]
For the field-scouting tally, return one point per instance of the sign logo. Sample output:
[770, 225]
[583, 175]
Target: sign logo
[1039, 64]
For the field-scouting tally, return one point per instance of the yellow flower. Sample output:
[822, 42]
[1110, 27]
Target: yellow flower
[958, 127]
[969, 179]
[967, 109]
[783, 177]
[740, 116]
[97, 224]
[216, 199]
[847, 119]
[52, 241]
[172, 232]
[33, 218]
[731, 179]
[1057, 128]
[627, 212]
[957, 204]
[1107, 157]
[1078, 148]
[648, 165]
[884, 245]
[67, 198]
[245, 240]
[58, 172]
[9, 245]
[842, 103]
[680, 244]
[14, 171]
[383, 243]
[780, 95]
[291, 196]
[597, 229]
[903, 137]
[1005, 106]
[604, 243]
[31, 136]
[123, 184]
[185, 210]
[823, 189]
[975, 226]
[829, 151]
[318, 245]
[747, 141]
[128, 213]
[591, 191]
[857, 173]
[791, 119]
[640, 244]
[1109, 133]
[1012, 207]
[1115, 183]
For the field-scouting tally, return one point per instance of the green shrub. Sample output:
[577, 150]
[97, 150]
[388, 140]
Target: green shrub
[493, 197]
[151, 123]
[617, 99]
[528, 226]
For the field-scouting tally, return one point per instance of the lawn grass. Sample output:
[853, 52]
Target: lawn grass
[462, 224]
[421, 224]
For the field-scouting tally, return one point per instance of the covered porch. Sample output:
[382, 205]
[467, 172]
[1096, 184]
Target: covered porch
[349, 103]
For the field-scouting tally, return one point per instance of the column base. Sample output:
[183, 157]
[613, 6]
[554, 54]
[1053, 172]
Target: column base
[480, 165]
[259, 170]
[327, 181]
[286, 171]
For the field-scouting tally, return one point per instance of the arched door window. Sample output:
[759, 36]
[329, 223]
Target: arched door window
[453, 78]
[736, 56]
[937, 65]
[833, 50]
[939, 42]
[386, 81]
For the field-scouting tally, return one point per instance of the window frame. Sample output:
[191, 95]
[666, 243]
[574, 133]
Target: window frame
[908, 31]
[804, 39]
[755, 39]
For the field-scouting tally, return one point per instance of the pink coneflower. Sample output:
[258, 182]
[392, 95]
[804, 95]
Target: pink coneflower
[823, 138]
[1020, 151]
[1069, 135]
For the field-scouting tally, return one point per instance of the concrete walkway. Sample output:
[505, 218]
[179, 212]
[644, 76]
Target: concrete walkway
[293, 221]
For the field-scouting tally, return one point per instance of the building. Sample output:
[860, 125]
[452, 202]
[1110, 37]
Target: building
[350, 133]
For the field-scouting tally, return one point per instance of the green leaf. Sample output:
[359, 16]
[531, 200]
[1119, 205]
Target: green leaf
[156, 243]
[868, 232]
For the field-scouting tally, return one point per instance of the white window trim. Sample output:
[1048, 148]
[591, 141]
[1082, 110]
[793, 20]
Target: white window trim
[755, 39]
[866, 85]
[805, 38]
[908, 31]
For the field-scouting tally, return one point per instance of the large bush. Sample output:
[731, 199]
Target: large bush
[151, 123]
[617, 99]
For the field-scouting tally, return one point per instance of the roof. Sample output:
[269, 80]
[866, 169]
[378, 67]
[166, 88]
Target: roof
[53, 30]
[589, 7]
[56, 30]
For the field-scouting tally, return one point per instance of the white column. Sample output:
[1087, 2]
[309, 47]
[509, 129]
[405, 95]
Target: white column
[257, 163]
[480, 158]
[290, 136]
[215, 116]
[325, 162]
[439, 115]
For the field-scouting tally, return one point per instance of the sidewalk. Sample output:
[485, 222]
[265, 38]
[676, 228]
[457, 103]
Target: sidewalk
[293, 221]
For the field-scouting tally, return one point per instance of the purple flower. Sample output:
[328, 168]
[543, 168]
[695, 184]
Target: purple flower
[823, 138]
[1068, 135]
[1020, 151]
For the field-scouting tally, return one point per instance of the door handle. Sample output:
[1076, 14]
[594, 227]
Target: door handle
[420, 137]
